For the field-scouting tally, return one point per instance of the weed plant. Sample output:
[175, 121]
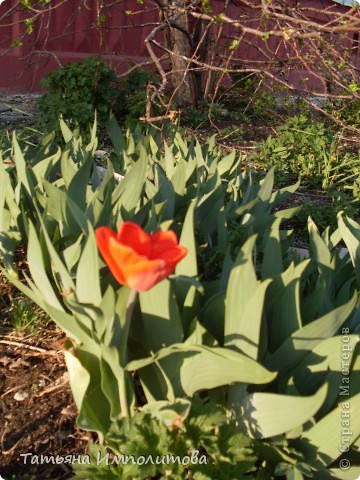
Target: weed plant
[307, 149]
[26, 316]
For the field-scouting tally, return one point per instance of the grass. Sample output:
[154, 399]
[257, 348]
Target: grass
[25, 316]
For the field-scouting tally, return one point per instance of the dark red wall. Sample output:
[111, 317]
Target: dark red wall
[69, 33]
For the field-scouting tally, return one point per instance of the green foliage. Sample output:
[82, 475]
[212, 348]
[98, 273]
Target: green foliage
[200, 432]
[245, 100]
[75, 91]
[308, 150]
[200, 116]
[323, 208]
[299, 147]
[134, 90]
[346, 111]
[24, 477]
[195, 117]
[233, 132]
[243, 325]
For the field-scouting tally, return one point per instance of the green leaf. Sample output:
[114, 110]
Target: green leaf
[178, 348]
[4, 183]
[179, 178]
[43, 168]
[68, 166]
[267, 185]
[287, 213]
[323, 442]
[244, 303]
[225, 164]
[79, 377]
[107, 308]
[129, 190]
[79, 184]
[272, 264]
[209, 203]
[23, 174]
[118, 140]
[35, 257]
[73, 327]
[268, 414]
[85, 382]
[60, 272]
[72, 253]
[109, 385]
[161, 319]
[215, 367]
[213, 316]
[169, 412]
[65, 321]
[188, 265]
[283, 304]
[87, 274]
[304, 340]
[65, 130]
[165, 192]
[340, 474]
[318, 248]
[350, 232]
[325, 357]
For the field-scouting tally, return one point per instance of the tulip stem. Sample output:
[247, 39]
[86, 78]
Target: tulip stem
[123, 352]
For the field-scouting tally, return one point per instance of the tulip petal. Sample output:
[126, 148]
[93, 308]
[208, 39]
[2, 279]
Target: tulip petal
[145, 275]
[138, 271]
[104, 236]
[173, 255]
[131, 235]
[161, 242]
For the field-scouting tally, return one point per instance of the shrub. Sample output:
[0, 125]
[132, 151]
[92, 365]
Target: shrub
[75, 91]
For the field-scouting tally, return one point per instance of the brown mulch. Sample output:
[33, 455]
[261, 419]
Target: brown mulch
[37, 411]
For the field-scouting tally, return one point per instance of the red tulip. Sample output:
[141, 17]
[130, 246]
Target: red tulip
[138, 259]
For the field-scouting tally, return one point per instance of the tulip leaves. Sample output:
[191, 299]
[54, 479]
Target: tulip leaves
[268, 414]
[128, 192]
[216, 367]
[244, 304]
[242, 322]
[87, 273]
[161, 320]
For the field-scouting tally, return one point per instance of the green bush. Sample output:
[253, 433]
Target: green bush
[75, 91]
[238, 353]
